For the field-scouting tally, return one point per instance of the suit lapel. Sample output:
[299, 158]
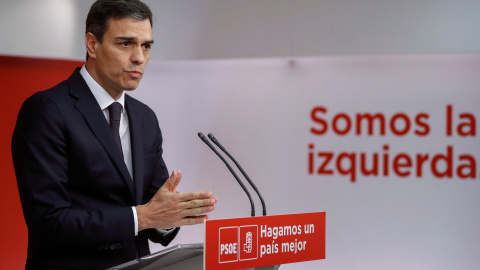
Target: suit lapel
[135, 124]
[89, 108]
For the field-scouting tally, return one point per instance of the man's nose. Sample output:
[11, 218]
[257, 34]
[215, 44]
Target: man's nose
[137, 56]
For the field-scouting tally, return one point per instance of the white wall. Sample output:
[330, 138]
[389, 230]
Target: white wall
[260, 109]
[211, 29]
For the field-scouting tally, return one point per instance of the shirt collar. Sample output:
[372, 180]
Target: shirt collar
[102, 97]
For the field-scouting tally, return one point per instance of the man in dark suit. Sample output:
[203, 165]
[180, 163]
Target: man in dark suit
[88, 158]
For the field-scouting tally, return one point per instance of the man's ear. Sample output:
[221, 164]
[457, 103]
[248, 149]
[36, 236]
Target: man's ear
[91, 44]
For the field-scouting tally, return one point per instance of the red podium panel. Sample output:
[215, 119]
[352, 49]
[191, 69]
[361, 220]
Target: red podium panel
[262, 241]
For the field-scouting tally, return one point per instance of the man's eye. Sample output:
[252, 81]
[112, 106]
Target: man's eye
[147, 46]
[126, 43]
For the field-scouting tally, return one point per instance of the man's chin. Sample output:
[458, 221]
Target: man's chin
[131, 87]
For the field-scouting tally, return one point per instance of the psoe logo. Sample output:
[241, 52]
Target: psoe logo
[249, 242]
[238, 243]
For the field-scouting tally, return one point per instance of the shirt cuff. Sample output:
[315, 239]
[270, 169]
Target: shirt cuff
[135, 220]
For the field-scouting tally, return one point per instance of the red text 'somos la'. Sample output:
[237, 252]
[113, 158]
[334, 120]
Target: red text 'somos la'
[399, 124]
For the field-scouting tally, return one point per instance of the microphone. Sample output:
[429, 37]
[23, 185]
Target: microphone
[215, 141]
[204, 139]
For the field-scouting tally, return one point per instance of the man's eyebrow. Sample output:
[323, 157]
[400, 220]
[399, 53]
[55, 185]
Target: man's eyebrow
[126, 38]
[134, 39]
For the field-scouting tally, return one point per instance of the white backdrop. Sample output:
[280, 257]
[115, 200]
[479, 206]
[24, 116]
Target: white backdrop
[261, 110]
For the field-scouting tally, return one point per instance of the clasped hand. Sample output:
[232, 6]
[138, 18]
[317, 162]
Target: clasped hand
[169, 208]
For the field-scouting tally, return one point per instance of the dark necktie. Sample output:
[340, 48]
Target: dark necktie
[115, 110]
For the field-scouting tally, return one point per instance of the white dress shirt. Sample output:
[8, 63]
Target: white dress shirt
[104, 100]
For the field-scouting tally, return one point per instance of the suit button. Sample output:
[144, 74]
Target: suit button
[118, 246]
[112, 246]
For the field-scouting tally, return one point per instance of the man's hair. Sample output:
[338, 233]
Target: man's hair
[103, 10]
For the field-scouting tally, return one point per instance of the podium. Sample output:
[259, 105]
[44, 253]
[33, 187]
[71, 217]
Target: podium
[183, 256]
[244, 243]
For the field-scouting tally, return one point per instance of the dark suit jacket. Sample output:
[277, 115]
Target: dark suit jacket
[74, 186]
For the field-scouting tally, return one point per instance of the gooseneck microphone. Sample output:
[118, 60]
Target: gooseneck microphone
[205, 140]
[215, 141]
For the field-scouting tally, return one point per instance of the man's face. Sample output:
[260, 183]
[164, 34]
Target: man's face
[121, 57]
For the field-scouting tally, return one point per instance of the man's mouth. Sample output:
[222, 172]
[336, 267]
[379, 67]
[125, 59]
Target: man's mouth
[134, 73]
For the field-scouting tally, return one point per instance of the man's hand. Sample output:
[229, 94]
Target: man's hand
[169, 208]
